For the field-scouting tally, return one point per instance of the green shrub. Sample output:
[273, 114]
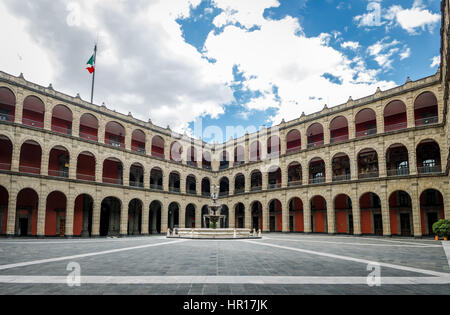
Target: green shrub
[442, 228]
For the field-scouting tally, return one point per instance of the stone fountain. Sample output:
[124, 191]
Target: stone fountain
[214, 218]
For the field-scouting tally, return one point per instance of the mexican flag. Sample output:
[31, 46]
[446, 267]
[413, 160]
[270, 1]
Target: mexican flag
[91, 64]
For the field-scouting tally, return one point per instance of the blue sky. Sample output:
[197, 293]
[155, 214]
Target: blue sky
[229, 63]
[332, 17]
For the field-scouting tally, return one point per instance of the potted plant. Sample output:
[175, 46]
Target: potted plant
[442, 228]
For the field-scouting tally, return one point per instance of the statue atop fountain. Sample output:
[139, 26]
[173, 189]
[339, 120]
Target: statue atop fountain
[214, 216]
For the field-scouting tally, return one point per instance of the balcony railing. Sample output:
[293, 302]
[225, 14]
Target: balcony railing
[175, 189]
[138, 149]
[366, 133]
[29, 169]
[339, 139]
[368, 175]
[273, 155]
[85, 177]
[398, 171]
[274, 186]
[239, 191]
[58, 173]
[293, 150]
[206, 194]
[5, 166]
[115, 144]
[427, 121]
[192, 163]
[295, 183]
[6, 117]
[88, 136]
[33, 123]
[393, 127]
[156, 187]
[341, 178]
[237, 163]
[113, 181]
[430, 169]
[315, 144]
[158, 155]
[136, 184]
[63, 130]
[317, 180]
[256, 188]
[224, 194]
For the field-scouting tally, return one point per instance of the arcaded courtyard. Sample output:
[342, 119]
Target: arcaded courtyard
[277, 264]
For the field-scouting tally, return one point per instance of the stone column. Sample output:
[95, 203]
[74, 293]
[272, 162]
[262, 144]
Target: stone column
[86, 213]
[76, 124]
[416, 218]
[328, 168]
[354, 166]
[356, 212]
[265, 179]
[164, 217]
[42, 205]
[331, 217]
[73, 164]
[182, 216]
[285, 218]
[284, 175]
[307, 215]
[266, 216]
[15, 159]
[351, 128]
[126, 175]
[99, 169]
[410, 119]
[124, 218]
[147, 177]
[182, 183]
[48, 115]
[44, 162]
[145, 212]
[12, 202]
[101, 131]
[198, 216]
[231, 217]
[96, 210]
[248, 217]
[19, 107]
[412, 159]
[70, 209]
[326, 133]
[128, 137]
[385, 214]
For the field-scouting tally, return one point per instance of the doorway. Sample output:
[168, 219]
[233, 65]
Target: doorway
[378, 224]
[23, 226]
[405, 224]
[432, 217]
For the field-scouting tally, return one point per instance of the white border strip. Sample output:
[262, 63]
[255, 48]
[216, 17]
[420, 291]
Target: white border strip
[112, 251]
[259, 280]
[358, 260]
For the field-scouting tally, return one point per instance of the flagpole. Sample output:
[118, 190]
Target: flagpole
[93, 76]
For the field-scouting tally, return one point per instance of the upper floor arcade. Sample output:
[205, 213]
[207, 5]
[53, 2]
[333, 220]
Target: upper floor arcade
[411, 106]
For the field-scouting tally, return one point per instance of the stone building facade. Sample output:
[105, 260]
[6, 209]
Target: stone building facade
[376, 165]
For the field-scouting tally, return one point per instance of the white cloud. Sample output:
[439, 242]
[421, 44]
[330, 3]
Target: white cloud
[278, 54]
[411, 20]
[435, 62]
[383, 52]
[144, 65]
[350, 45]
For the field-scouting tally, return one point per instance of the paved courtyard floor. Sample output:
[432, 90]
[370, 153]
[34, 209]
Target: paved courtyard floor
[277, 264]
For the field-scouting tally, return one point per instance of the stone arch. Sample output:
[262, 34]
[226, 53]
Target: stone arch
[110, 216]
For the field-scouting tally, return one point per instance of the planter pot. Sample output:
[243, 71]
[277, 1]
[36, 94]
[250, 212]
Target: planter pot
[446, 238]
[436, 238]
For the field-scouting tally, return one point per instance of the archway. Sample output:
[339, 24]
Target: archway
[4, 201]
[58, 163]
[26, 212]
[400, 213]
[257, 216]
[339, 130]
[82, 222]
[55, 214]
[115, 135]
[110, 217]
[296, 223]
[371, 217]
[155, 217]
[89, 127]
[395, 116]
[173, 216]
[275, 216]
[343, 214]
[62, 120]
[6, 149]
[134, 217]
[7, 105]
[33, 112]
[239, 216]
[30, 158]
[190, 216]
[319, 215]
[431, 209]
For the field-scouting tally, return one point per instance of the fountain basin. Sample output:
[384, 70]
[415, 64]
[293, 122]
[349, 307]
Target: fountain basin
[225, 234]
